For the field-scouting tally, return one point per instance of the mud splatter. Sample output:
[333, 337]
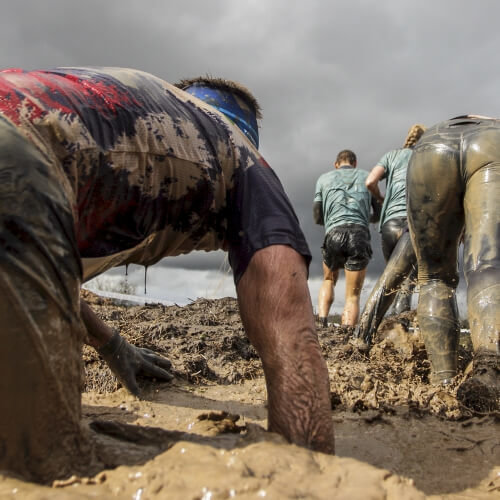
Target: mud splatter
[203, 435]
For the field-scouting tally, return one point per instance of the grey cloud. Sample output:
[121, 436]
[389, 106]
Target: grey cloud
[329, 75]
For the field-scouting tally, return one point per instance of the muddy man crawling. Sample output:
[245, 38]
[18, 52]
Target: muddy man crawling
[102, 167]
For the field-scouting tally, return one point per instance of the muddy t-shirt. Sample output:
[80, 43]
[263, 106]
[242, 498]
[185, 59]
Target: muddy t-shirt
[395, 164]
[344, 197]
[150, 170]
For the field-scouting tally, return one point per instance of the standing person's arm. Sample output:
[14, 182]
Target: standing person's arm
[376, 210]
[277, 314]
[374, 177]
[318, 214]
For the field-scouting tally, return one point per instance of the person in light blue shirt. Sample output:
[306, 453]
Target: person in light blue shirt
[395, 237]
[342, 204]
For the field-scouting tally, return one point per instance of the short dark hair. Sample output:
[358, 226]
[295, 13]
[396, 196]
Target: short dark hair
[346, 155]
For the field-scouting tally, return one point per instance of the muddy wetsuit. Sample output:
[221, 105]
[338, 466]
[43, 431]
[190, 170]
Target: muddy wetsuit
[98, 168]
[395, 242]
[393, 218]
[454, 187]
[345, 203]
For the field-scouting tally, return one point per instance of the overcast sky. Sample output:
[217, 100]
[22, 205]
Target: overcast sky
[329, 75]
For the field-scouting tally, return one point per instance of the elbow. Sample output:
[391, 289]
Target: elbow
[371, 185]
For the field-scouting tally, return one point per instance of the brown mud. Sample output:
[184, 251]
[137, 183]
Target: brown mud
[203, 436]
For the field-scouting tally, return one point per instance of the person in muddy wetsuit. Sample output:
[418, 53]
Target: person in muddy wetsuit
[395, 237]
[104, 167]
[454, 193]
[342, 204]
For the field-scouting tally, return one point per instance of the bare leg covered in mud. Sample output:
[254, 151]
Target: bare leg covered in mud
[277, 314]
[353, 284]
[327, 293]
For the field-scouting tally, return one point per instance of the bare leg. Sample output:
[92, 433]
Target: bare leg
[353, 284]
[327, 291]
[277, 314]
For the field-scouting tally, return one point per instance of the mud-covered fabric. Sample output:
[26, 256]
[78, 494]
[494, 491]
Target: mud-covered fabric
[391, 232]
[41, 335]
[454, 190]
[344, 197]
[395, 165]
[393, 285]
[347, 247]
[150, 171]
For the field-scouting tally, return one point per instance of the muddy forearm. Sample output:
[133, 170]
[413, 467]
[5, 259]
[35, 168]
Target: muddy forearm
[318, 213]
[98, 332]
[277, 314]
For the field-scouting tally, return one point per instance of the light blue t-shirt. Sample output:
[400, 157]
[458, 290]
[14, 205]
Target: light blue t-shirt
[344, 197]
[395, 164]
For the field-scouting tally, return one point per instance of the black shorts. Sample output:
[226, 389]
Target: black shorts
[391, 231]
[347, 246]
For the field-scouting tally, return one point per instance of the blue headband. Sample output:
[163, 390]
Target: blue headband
[224, 101]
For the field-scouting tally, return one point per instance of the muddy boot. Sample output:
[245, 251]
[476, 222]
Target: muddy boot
[481, 390]
[402, 303]
[441, 339]
[323, 321]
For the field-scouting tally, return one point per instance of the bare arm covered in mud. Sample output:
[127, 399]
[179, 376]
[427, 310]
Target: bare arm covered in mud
[277, 314]
[99, 333]
[125, 360]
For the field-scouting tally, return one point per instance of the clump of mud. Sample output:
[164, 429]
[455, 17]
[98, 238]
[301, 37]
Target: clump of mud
[206, 343]
[204, 340]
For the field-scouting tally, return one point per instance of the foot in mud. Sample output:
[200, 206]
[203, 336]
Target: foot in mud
[322, 322]
[481, 390]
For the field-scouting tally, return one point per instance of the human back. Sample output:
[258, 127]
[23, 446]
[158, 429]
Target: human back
[148, 142]
[395, 163]
[342, 205]
[344, 197]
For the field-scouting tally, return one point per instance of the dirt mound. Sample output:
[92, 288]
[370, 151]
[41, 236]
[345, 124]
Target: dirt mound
[204, 340]
[206, 343]
[202, 436]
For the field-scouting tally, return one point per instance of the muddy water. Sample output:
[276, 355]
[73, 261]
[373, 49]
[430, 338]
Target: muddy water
[203, 436]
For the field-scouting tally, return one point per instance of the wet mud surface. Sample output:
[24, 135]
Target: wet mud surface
[203, 435]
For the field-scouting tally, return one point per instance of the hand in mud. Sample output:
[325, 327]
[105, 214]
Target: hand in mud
[127, 361]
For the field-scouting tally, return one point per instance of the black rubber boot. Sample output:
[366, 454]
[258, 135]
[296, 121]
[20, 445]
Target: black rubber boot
[441, 343]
